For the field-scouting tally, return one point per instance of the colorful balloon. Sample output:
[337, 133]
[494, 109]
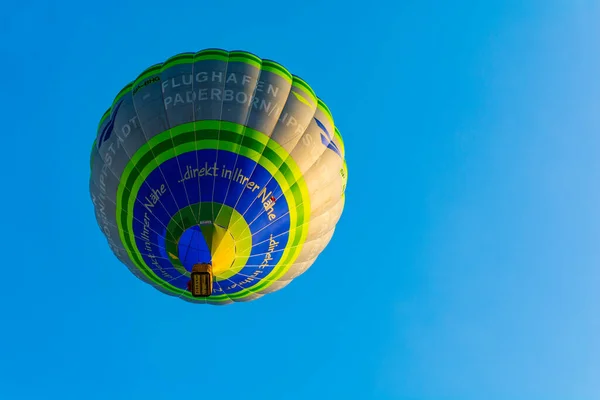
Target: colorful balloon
[218, 159]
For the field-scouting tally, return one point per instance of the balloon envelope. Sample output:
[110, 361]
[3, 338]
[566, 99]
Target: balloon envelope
[223, 158]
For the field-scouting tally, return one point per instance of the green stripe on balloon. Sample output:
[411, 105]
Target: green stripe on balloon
[276, 68]
[305, 87]
[209, 130]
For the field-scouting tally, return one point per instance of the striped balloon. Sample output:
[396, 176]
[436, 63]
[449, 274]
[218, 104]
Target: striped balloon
[222, 158]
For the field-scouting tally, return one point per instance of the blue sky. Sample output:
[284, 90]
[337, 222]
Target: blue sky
[465, 265]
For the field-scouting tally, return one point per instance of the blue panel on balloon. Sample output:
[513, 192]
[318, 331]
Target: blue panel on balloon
[193, 248]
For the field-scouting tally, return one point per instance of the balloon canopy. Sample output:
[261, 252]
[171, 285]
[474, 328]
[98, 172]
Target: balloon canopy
[223, 159]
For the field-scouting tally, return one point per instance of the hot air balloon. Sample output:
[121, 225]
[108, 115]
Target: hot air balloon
[217, 176]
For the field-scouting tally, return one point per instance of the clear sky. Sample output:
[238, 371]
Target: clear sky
[465, 265]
